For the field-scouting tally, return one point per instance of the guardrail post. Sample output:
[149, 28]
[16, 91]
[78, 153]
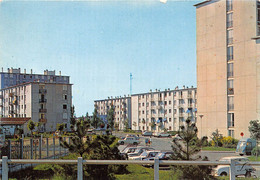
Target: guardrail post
[31, 144]
[156, 168]
[40, 147]
[59, 147]
[53, 148]
[232, 170]
[21, 148]
[47, 147]
[80, 168]
[9, 149]
[4, 168]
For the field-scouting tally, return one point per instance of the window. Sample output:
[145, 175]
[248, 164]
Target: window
[230, 36]
[229, 5]
[143, 104]
[142, 112]
[231, 120]
[64, 106]
[230, 70]
[229, 20]
[170, 102]
[230, 103]
[165, 102]
[258, 19]
[147, 104]
[170, 111]
[170, 119]
[230, 87]
[230, 53]
[231, 133]
[65, 87]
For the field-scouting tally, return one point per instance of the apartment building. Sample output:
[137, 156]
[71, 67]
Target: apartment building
[228, 66]
[163, 110]
[48, 103]
[43, 98]
[122, 107]
[14, 77]
[153, 111]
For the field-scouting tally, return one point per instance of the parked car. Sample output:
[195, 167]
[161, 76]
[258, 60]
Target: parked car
[162, 134]
[138, 151]
[134, 136]
[243, 169]
[129, 140]
[145, 154]
[161, 156]
[125, 151]
[147, 133]
[177, 137]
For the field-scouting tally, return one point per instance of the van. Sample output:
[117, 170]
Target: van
[245, 146]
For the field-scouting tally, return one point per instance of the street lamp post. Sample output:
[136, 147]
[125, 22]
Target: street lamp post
[201, 116]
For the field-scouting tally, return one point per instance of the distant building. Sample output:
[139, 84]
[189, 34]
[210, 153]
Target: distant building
[228, 66]
[153, 111]
[163, 110]
[46, 102]
[122, 110]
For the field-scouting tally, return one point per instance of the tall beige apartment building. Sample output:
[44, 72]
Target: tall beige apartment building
[122, 107]
[48, 103]
[228, 66]
[163, 110]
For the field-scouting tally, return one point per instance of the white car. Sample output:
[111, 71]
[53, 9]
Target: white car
[129, 140]
[162, 134]
[242, 169]
[147, 133]
[144, 155]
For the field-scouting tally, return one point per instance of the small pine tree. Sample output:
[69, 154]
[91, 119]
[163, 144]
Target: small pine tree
[186, 150]
[111, 117]
[95, 119]
[31, 126]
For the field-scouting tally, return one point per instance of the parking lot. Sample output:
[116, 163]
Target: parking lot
[166, 143]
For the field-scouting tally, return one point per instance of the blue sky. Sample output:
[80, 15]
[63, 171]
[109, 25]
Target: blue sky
[99, 43]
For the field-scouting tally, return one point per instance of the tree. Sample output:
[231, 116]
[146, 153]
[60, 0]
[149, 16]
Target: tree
[72, 118]
[126, 124]
[38, 125]
[95, 119]
[78, 145]
[134, 124]
[153, 125]
[87, 119]
[254, 129]
[216, 138]
[31, 126]
[186, 150]
[111, 117]
[60, 127]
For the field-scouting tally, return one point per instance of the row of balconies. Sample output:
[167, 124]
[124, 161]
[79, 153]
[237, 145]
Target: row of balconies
[43, 110]
[42, 91]
[43, 120]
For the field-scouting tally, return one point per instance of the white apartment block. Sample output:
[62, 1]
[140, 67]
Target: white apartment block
[153, 111]
[48, 103]
[122, 107]
[163, 110]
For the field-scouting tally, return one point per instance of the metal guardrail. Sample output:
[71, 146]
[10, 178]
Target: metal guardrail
[80, 162]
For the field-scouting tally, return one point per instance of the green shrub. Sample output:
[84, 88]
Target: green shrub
[256, 151]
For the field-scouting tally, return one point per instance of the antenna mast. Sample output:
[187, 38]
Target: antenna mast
[131, 78]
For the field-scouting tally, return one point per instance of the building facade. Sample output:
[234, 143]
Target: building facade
[154, 111]
[46, 102]
[15, 77]
[163, 110]
[228, 66]
[122, 112]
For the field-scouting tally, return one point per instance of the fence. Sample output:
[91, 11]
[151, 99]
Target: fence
[80, 162]
[37, 148]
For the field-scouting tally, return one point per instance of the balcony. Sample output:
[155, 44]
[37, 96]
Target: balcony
[1, 96]
[230, 107]
[43, 120]
[230, 74]
[230, 57]
[229, 24]
[189, 96]
[230, 91]
[11, 94]
[180, 97]
[190, 105]
[229, 41]
[181, 114]
[42, 100]
[42, 110]
[42, 91]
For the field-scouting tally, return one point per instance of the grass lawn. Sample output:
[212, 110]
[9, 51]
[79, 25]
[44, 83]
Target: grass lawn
[211, 148]
[253, 158]
[139, 172]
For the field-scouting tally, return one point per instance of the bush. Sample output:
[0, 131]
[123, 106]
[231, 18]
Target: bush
[173, 133]
[256, 151]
